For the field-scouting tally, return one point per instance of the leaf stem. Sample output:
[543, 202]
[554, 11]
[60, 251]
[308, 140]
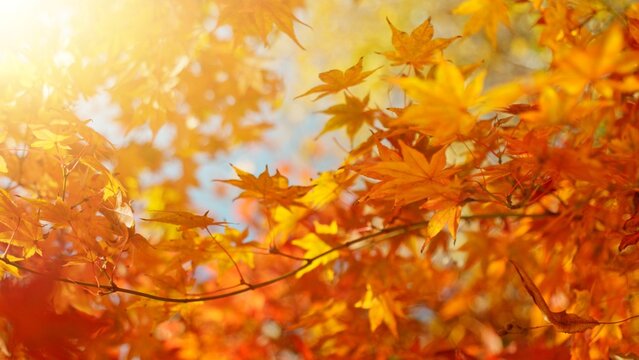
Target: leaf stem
[237, 268]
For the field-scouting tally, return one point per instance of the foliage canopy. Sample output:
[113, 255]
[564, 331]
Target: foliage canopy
[487, 205]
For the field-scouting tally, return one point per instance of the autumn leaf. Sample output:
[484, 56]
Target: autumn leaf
[542, 159]
[595, 63]
[485, 15]
[381, 309]
[3, 165]
[314, 247]
[268, 189]
[410, 177]
[418, 48]
[48, 140]
[449, 216]
[632, 14]
[326, 188]
[259, 17]
[184, 219]
[124, 212]
[57, 212]
[338, 80]
[628, 240]
[445, 107]
[352, 115]
[564, 322]
[631, 227]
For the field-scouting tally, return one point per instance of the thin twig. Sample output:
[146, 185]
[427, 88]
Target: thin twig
[13, 234]
[618, 321]
[237, 268]
[387, 233]
[276, 251]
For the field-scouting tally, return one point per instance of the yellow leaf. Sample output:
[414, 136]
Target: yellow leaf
[325, 189]
[48, 140]
[314, 246]
[485, 15]
[4, 267]
[501, 96]
[330, 229]
[381, 308]
[352, 114]
[3, 165]
[445, 107]
[449, 216]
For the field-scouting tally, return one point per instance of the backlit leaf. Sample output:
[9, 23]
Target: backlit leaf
[184, 219]
[338, 80]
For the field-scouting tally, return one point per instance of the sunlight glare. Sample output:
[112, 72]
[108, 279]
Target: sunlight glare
[22, 22]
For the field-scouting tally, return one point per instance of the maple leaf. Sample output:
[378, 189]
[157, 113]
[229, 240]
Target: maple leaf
[594, 64]
[445, 105]
[57, 213]
[270, 190]
[563, 321]
[485, 15]
[257, 18]
[338, 80]
[449, 216]
[48, 140]
[410, 177]
[418, 48]
[381, 308]
[184, 219]
[17, 229]
[123, 212]
[554, 108]
[352, 115]
[314, 246]
[326, 188]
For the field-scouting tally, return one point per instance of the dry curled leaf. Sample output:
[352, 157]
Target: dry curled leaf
[563, 321]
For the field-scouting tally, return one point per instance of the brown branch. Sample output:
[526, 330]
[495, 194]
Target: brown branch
[388, 233]
[276, 251]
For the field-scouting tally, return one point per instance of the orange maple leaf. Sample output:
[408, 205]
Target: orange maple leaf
[338, 80]
[417, 48]
[184, 219]
[410, 177]
[595, 63]
[352, 114]
[270, 190]
[257, 18]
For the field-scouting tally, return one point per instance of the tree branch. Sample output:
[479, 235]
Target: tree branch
[387, 233]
